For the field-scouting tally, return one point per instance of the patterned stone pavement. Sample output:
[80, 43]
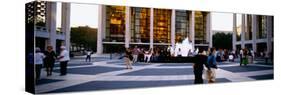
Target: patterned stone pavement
[111, 74]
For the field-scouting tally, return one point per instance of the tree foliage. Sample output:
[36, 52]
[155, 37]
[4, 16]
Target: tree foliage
[84, 36]
[222, 40]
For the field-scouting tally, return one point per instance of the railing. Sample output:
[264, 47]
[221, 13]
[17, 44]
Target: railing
[41, 29]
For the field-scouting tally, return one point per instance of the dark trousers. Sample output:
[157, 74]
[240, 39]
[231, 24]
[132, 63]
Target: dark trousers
[49, 68]
[241, 59]
[63, 67]
[198, 76]
[88, 58]
[38, 71]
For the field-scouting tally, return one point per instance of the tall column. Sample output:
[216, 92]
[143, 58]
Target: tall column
[51, 23]
[127, 27]
[234, 32]
[151, 28]
[209, 34]
[243, 26]
[192, 28]
[173, 29]
[65, 26]
[254, 32]
[101, 28]
[269, 30]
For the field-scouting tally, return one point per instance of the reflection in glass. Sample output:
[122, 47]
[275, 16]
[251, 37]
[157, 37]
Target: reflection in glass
[140, 24]
[115, 26]
[162, 25]
[238, 27]
[182, 25]
[200, 27]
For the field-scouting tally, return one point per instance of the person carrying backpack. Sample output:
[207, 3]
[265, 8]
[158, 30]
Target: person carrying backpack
[212, 64]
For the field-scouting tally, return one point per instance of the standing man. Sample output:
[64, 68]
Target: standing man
[241, 55]
[89, 53]
[136, 52]
[63, 59]
[199, 60]
[39, 56]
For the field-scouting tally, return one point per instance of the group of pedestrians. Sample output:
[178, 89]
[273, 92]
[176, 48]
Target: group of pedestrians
[209, 61]
[246, 56]
[48, 58]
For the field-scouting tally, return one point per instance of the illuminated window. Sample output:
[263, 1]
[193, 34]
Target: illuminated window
[200, 27]
[238, 27]
[182, 24]
[140, 24]
[162, 25]
[115, 26]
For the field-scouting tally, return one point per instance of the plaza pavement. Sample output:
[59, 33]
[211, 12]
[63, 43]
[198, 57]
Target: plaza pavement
[105, 74]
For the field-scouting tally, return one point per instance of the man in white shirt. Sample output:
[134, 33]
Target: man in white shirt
[63, 59]
[241, 55]
[88, 56]
[39, 56]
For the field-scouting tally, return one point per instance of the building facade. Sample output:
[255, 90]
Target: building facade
[41, 15]
[124, 26]
[253, 32]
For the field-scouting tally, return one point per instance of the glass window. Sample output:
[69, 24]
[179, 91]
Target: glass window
[162, 25]
[140, 24]
[182, 24]
[248, 32]
[200, 27]
[115, 27]
[238, 26]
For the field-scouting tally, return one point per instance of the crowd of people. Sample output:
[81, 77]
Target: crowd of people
[48, 58]
[208, 58]
[202, 57]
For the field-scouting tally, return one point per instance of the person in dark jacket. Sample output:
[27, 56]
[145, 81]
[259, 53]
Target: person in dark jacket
[212, 64]
[49, 60]
[199, 61]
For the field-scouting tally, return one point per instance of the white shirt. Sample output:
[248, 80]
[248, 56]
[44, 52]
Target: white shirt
[88, 53]
[39, 58]
[65, 56]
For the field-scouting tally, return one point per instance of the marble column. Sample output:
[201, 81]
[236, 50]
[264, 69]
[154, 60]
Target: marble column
[192, 28]
[127, 27]
[269, 29]
[209, 33]
[234, 32]
[51, 23]
[243, 26]
[151, 27]
[101, 28]
[254, 32]
[173, 29]
[65, 26]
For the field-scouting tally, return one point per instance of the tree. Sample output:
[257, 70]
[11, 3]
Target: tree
[84, 36]
[222, 40]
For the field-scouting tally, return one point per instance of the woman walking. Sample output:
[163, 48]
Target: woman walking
[128, 58]
[50, 60]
